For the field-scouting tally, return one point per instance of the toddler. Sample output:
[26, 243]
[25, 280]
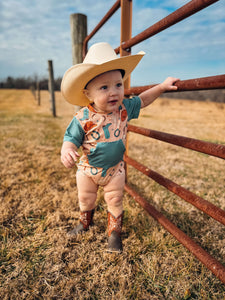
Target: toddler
[100, 128]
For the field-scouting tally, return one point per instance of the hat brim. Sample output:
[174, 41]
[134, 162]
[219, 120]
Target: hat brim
[76, 77]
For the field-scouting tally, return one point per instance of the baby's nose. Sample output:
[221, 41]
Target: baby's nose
[112, 90]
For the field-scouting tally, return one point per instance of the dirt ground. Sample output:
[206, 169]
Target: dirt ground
[39, 205]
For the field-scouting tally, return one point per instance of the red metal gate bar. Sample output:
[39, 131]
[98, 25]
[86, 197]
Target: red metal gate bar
[204, 83]
[185, 142]
[211, 263]
[113, 9]
[178, 15]
[202, 204]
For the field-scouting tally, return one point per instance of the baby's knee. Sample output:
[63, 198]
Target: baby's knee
[87, 197]
[114, 199]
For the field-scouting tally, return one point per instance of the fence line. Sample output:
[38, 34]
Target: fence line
[211, 263]
[180, 14]
[212, 82]
[185, 142]
[203, 83]
[202, 204]
[113, 9]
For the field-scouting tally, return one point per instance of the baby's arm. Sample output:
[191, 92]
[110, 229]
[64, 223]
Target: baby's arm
[69, 154]
[148, 96]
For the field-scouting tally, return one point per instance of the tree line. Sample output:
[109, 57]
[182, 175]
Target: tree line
[28, 82]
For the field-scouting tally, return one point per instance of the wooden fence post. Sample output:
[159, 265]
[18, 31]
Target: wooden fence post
[78, 27]
[32, 89]
[51, 86]
[38, 93]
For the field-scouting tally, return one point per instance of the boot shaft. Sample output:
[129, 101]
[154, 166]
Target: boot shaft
[115, 224]
[86, 218]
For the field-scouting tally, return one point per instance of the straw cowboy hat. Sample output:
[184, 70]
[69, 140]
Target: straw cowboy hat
[100, 58]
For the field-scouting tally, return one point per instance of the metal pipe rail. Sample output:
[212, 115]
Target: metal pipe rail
[204, 83]
[211, 263]
[185, 142]
[210, 209]
[180, 14]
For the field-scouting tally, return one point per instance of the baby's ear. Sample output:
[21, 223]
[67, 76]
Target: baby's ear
[85, 92]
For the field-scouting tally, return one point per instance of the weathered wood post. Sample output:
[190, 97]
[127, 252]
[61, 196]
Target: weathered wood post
[78, 27]
[32, 89]
[51, 86]
[38, 93]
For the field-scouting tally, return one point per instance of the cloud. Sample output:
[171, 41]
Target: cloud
[32, 32]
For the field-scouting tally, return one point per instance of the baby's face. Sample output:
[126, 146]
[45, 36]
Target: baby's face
[106, 91]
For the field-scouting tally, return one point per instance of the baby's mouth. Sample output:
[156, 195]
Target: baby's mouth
[113, 101]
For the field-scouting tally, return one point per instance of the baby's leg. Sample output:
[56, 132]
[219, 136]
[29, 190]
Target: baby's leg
[114, 193]
[114, 199]
[87, 191]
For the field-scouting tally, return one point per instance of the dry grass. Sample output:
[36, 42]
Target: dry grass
[39, 205]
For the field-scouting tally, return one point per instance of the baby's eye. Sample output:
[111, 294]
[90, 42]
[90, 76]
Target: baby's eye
[119, 84]
[104, 87]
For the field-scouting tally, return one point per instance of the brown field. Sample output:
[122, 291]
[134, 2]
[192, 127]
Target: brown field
[39, 205]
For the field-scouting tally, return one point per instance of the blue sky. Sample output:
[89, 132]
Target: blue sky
[34, 31]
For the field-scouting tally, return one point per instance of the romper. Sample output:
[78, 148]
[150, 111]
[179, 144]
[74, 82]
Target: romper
[102, 137]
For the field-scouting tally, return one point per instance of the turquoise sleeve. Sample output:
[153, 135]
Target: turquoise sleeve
[74, 133]
[133, 107]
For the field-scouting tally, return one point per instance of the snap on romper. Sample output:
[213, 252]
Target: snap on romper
[102, 137]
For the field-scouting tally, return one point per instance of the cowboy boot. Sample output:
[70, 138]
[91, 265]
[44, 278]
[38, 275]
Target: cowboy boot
[86, 220]
[114, 232]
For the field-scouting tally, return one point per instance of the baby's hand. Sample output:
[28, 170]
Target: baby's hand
[168, 84]
[69, 157]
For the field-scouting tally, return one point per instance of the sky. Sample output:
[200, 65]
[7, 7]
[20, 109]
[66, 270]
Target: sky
[35, 31]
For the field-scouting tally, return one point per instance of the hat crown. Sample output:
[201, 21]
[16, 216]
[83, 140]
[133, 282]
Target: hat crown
[100, 53]
[100, 58]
